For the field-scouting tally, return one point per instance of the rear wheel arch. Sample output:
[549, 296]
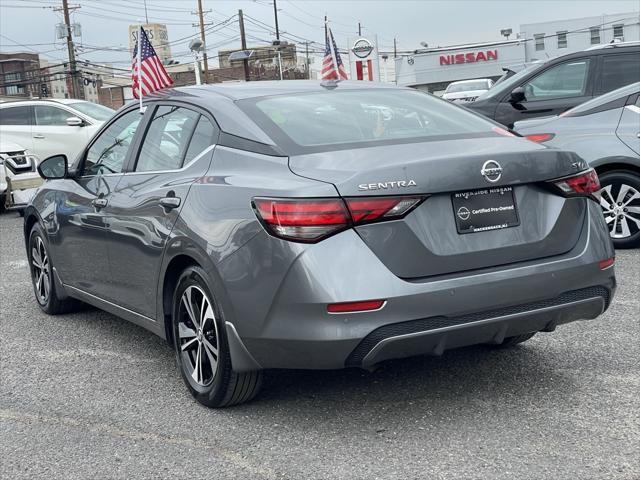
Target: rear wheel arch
[609, 166]
[176, 266]
[30, 219]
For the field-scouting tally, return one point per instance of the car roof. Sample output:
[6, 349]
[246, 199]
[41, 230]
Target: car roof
[63, 101]
[243, 90]
[470, 81]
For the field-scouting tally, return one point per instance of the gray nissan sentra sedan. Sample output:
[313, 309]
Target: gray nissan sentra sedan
[317, 226]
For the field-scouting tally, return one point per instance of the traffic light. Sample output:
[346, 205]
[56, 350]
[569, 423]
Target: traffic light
[44, 90]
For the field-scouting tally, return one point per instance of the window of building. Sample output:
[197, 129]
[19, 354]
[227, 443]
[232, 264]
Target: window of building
[539, 38]
[618, 31]
[595, 35]
[562, 39]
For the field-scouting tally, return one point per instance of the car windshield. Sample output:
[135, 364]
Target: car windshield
[508, 84]
[93, 110]
[467, 86]
[604, 99]
[359, 116]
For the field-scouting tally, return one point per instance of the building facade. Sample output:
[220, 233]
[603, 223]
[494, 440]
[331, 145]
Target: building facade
[158, 36]
[21, 75]
[553, 39]
[432, 69]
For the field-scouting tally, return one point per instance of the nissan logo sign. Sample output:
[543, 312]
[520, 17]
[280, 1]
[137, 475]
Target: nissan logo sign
[491, 171]
[362, 48]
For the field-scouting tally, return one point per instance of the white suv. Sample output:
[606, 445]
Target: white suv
[50, 127]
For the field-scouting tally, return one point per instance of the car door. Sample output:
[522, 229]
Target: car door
[81, 235]
[552, 91]
[176, 150]
[629, 127]
[16, 124]
[52, 135]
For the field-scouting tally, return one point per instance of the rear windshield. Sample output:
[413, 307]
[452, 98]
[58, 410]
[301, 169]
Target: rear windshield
[360, 116]
[467, 86]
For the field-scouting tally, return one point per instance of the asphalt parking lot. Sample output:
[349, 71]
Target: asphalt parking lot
[88, 395]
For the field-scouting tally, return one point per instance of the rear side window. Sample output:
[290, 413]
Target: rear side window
[165, 145]
[51, 116]
[360, 116]
[560, 81]
[203, 137]
[619, 70]
[15, 116]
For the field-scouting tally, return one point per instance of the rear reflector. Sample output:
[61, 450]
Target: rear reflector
[540, 137]
[604, 264]
[313, 219]
[583, 184]
[352, 307]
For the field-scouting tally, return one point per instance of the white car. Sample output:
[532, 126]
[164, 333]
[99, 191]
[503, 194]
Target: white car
[51, 127]
[18, 170]
[467, 90]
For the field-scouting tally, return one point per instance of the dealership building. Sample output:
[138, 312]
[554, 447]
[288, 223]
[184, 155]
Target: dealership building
[432, 69]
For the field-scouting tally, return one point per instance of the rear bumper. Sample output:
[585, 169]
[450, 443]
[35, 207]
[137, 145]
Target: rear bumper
[294, 330]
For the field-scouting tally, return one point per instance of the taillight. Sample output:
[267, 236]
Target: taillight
[374, 209]
[540, 137]
[304, 220]
[583, 184]
[313, 219]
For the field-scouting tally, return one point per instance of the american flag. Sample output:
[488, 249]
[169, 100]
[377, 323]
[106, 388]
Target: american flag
[332, 66]
[152, 75]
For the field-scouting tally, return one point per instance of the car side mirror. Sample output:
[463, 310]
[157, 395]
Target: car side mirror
[75, 122]
[517, 95]
[54, 167]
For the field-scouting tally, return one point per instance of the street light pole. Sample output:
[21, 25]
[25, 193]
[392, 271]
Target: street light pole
[275, 14]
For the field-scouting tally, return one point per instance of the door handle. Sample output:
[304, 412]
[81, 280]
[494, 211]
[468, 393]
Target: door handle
[170, 203]
[99, 202]
[38, 135]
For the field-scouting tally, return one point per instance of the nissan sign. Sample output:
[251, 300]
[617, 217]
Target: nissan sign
[470, 57]
[362, 48]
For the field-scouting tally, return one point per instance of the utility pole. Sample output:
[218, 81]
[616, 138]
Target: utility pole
[306, 46]
[395, 49]
[359, 29]
[76, 88]
[275, 14]
[243, 42]
[205, 61]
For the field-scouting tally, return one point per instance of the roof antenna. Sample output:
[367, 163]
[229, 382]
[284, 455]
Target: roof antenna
[330, 84]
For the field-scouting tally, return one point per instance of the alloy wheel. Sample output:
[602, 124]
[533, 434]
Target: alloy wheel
[40, 270]
[621, 206]
[198, 336]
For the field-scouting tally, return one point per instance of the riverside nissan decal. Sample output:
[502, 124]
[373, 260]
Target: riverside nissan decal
[470, 57]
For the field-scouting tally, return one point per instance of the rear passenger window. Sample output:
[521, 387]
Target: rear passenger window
[167, 140]
[15, 116]
[619, 70]
[203, 138]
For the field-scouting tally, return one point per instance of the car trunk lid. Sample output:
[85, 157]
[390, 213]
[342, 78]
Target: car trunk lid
[429, 240]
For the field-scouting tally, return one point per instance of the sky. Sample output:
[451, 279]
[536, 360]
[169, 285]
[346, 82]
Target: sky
[29, 25]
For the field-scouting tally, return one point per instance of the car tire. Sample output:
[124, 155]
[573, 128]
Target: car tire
[201, 346]
[44, 286]
[515, 340]
[618, 189]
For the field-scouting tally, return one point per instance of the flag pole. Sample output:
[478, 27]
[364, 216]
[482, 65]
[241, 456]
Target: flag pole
[140, 66]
